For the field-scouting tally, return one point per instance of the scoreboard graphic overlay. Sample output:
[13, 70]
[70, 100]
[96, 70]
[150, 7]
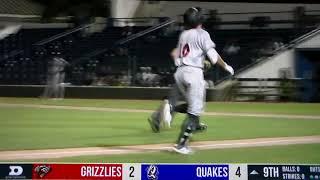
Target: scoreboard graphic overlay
[146, 171]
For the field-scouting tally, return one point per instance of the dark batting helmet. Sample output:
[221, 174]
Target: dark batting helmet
[193, 17]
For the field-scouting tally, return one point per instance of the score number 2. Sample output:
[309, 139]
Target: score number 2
[131, 170]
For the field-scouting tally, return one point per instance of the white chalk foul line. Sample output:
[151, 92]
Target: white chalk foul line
[71, 152]
[282, 116]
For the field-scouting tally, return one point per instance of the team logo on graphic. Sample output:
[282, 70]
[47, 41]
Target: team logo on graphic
[152, 172]
[42, 170]
[15, 170]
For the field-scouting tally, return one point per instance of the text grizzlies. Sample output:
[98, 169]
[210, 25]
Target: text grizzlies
[101, 171]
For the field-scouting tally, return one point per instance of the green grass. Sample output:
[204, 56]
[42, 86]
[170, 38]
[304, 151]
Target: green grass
[308, 153]
[275, 108]
[35, 128]
[32, 128]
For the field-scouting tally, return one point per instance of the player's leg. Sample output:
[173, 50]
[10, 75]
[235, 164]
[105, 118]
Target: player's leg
[171, 106]
[177, 93]
[61, 85]
[155, 118]
[165, 114]
[50, 86]
[195, 96]
[166, 110]
[47, 87]
[200, 126]
[187, 128]
[56, 86]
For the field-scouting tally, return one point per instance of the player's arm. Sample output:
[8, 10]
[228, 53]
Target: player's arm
[175, 56]
[214, 58]
[208, 46]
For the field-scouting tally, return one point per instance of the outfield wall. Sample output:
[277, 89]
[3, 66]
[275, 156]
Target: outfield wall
[94, 92]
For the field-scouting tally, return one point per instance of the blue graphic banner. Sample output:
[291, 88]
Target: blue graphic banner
[180, 171]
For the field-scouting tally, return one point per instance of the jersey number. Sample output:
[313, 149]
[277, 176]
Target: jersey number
[185, 50]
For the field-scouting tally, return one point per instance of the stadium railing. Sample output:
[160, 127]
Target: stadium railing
[257, 89]
[283, 48]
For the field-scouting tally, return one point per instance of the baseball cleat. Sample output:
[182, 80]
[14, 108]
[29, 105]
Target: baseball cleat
[183, 150]
[154, 122]
[165, 115]
[201, 127]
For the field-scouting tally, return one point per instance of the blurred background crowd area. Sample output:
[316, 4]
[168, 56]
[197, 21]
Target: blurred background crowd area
[106, 48]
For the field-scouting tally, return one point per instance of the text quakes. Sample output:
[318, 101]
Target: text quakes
[212, 172]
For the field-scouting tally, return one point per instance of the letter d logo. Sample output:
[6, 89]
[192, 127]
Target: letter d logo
[15, 170]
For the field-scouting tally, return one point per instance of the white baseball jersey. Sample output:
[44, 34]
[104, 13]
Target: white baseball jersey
[192, 47]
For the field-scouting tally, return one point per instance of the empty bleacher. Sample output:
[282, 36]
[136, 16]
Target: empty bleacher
[28, 63]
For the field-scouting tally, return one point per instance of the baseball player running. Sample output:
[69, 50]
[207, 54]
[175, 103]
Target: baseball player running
[193, 46]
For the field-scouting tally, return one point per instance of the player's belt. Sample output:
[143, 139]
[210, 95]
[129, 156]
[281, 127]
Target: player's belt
[184, 65]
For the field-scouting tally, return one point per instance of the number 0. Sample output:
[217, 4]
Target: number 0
[131, 169]
[238, 173]
[185, 50]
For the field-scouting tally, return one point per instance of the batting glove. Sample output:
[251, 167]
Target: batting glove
[230, 69]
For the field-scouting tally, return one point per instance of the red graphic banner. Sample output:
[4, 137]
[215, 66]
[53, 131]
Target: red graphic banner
[77, 171]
